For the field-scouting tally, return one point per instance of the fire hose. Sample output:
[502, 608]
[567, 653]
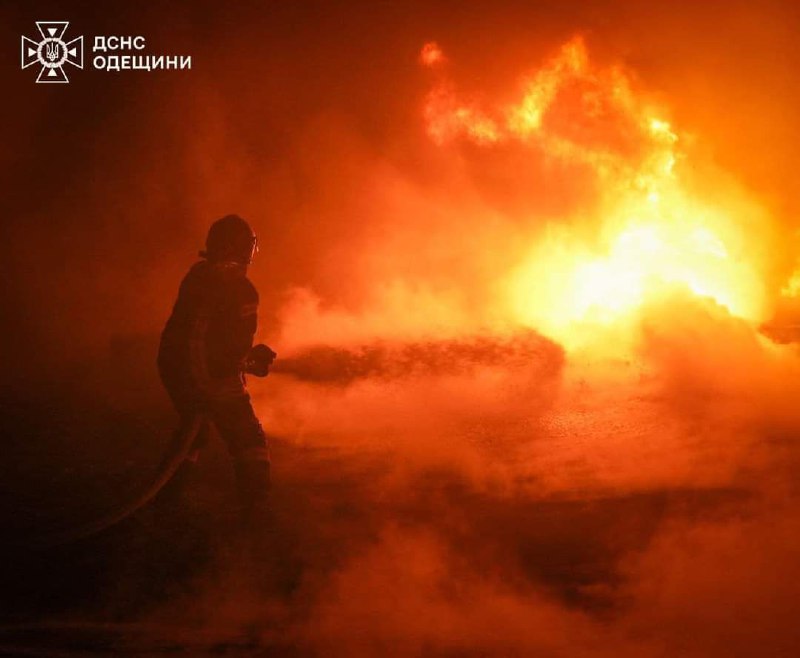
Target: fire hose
[257, 362]
[172, 460]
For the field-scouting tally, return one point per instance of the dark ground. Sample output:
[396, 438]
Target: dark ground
[150, 585]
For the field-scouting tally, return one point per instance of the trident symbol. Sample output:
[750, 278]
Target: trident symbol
[52, 53]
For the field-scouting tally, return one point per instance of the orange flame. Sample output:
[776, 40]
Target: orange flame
[431, 54]
[652, 232]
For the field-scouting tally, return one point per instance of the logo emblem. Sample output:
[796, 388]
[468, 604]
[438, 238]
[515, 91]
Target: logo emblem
[52, 52]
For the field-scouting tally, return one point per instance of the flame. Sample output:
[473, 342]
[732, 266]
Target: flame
[431, 54]
[651, 233]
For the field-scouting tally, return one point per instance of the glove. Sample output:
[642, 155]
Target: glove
[258, 360]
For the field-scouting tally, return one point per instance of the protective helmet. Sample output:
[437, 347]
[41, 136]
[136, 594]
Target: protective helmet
[230, 238]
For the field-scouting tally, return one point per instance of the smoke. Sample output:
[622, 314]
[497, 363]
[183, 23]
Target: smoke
[454, 474]
[638, 508]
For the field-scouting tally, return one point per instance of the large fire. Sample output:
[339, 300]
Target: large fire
[651, 232]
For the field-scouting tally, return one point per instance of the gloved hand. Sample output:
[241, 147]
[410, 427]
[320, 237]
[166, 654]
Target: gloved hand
[258, 360]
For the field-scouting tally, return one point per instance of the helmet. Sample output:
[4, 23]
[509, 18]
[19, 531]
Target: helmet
[230, 238]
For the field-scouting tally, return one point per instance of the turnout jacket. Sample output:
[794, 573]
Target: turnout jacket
[209, 333]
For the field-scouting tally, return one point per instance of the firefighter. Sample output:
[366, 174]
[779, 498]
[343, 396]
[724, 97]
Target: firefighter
[207, 347]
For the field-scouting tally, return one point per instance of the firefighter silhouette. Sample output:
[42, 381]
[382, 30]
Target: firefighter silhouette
[205, 351]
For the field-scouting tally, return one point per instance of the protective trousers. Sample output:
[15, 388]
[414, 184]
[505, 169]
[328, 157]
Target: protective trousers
[233, 417]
